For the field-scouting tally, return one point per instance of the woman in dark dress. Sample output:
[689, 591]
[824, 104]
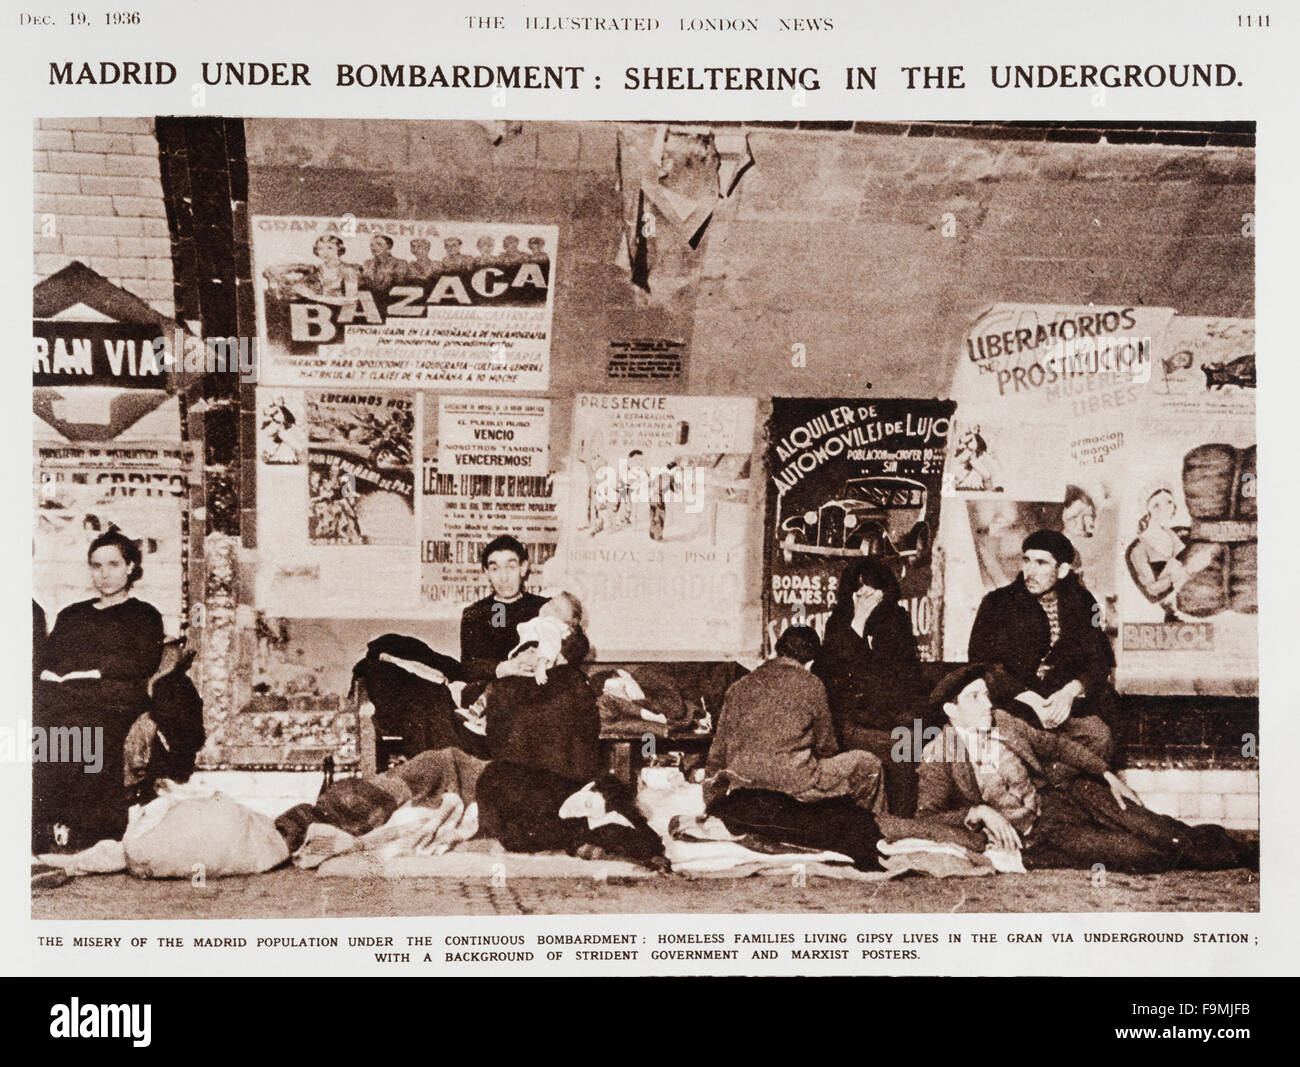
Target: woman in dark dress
[872, 674]
[110, 646]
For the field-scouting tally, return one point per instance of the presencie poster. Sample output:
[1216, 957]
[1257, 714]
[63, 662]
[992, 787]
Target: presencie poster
[657, 525]
[846, 479]
[403, 304]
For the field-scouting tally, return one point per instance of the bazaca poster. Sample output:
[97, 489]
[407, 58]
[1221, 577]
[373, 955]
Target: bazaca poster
[403, 304]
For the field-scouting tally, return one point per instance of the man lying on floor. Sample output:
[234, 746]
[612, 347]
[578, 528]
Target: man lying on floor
[525, 807]
[1049, 796]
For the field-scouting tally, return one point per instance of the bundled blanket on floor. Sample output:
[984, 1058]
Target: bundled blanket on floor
[532, 810]
[700, 845]
[359, 805]
[838, 824]
[185, 835]
[413, 830]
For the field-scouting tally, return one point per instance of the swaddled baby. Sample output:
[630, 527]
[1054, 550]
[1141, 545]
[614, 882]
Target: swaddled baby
[558, 618]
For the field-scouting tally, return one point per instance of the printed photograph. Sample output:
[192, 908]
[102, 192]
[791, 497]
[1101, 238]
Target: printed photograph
[549, 518]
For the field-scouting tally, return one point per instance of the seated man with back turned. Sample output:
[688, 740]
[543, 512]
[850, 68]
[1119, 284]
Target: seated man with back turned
[1052, 798]
[775, 733]
[1042, 638]
[489, 627]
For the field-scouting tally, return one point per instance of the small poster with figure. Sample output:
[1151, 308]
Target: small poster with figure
[360, 469]
[1188, 573]
[282, 428]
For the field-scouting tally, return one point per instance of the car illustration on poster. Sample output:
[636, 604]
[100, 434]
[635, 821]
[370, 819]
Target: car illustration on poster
[882, 517]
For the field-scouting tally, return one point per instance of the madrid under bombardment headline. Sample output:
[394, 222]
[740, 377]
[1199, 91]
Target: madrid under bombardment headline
[365, 75]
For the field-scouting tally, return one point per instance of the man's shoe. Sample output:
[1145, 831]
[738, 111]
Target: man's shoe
[46, 877]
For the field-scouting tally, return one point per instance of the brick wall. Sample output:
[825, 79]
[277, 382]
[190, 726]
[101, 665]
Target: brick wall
[1198, 795]
[97, 182]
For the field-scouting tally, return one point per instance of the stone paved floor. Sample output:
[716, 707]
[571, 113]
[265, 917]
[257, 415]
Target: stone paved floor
[293, 893]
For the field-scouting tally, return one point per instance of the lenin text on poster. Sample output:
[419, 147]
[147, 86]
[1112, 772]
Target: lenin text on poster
[404, 304]
[848, 479]
[657, 524]
[486, 471]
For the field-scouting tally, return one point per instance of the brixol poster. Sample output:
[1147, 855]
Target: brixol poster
[657, 530]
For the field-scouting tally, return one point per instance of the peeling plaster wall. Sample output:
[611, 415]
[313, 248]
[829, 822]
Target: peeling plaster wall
[835, 240]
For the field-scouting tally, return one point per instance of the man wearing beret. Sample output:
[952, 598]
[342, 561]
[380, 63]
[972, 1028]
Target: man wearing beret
[1042, 637]
[994, 773]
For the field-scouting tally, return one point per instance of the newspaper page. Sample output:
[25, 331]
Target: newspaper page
[732, 490]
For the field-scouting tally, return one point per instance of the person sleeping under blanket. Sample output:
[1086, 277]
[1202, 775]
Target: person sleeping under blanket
[543, 741]
[532, 810]
[359, 805]
[526, 809]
